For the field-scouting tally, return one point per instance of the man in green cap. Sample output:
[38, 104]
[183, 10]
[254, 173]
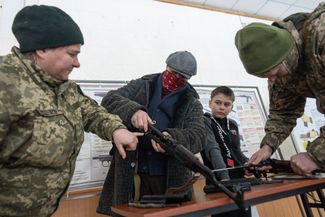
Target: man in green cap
[43, 115]
[291, 54]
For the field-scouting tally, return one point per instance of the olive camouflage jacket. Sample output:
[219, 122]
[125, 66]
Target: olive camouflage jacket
[42, 123]
[288, 94]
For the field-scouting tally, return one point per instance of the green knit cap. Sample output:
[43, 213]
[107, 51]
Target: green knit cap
[261, 47]
[41, 26]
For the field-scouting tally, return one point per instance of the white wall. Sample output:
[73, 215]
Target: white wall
[126, 39]
[8, 10]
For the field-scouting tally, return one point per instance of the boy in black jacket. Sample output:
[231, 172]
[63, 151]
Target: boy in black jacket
[223, 142]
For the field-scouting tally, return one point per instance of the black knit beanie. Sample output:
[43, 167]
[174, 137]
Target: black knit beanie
[38, 27]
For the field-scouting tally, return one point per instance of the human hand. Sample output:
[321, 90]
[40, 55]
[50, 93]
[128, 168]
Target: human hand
[141, 120]
[262, 154]
[124, 138]
[303, 164]
[246, 170]
[156, 146]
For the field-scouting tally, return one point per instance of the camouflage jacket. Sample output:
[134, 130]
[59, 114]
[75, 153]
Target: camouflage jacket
[288, 94]
[42, 122]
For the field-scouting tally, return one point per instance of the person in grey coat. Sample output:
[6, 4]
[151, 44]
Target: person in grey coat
[169, 102]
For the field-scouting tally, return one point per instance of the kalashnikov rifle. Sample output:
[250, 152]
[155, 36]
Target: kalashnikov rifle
[283, 166]
[278, 166]
[236, 192]
[261, 177]
[187, 158]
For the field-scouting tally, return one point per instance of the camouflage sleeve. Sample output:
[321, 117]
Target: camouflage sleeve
[124, 102]
[7, 120]
[97, 120]
[285, 108]
[4, 122]
[316, 149]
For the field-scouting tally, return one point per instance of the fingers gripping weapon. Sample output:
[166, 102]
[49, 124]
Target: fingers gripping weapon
[278, 167]
[283, 166]
[261, 176]
[187, 158]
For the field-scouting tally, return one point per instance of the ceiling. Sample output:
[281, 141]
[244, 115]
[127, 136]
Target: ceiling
[265, 9]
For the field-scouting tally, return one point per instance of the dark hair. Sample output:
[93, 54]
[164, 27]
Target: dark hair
[225, 91]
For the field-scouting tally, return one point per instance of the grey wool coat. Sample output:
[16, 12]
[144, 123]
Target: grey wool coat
[187, 128]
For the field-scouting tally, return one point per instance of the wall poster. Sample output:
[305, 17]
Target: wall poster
[308, 126]
[248, 112]
[94, 160]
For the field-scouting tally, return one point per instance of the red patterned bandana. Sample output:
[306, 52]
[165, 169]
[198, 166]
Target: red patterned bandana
[171, 82]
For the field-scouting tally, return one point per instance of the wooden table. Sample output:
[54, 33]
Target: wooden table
[206, 204]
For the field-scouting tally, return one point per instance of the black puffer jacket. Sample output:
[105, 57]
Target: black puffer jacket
[188, 129]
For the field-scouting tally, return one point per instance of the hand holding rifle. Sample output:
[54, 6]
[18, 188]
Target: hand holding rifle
[301, 163]
[262, 154]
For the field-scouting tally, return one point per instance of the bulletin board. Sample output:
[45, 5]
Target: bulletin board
[94, 160]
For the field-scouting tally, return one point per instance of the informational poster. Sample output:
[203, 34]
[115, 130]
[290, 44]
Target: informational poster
[94, 160]
[248, 112]
[307, 128]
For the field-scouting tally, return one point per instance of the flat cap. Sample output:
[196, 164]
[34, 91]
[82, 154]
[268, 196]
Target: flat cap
[182, 62]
